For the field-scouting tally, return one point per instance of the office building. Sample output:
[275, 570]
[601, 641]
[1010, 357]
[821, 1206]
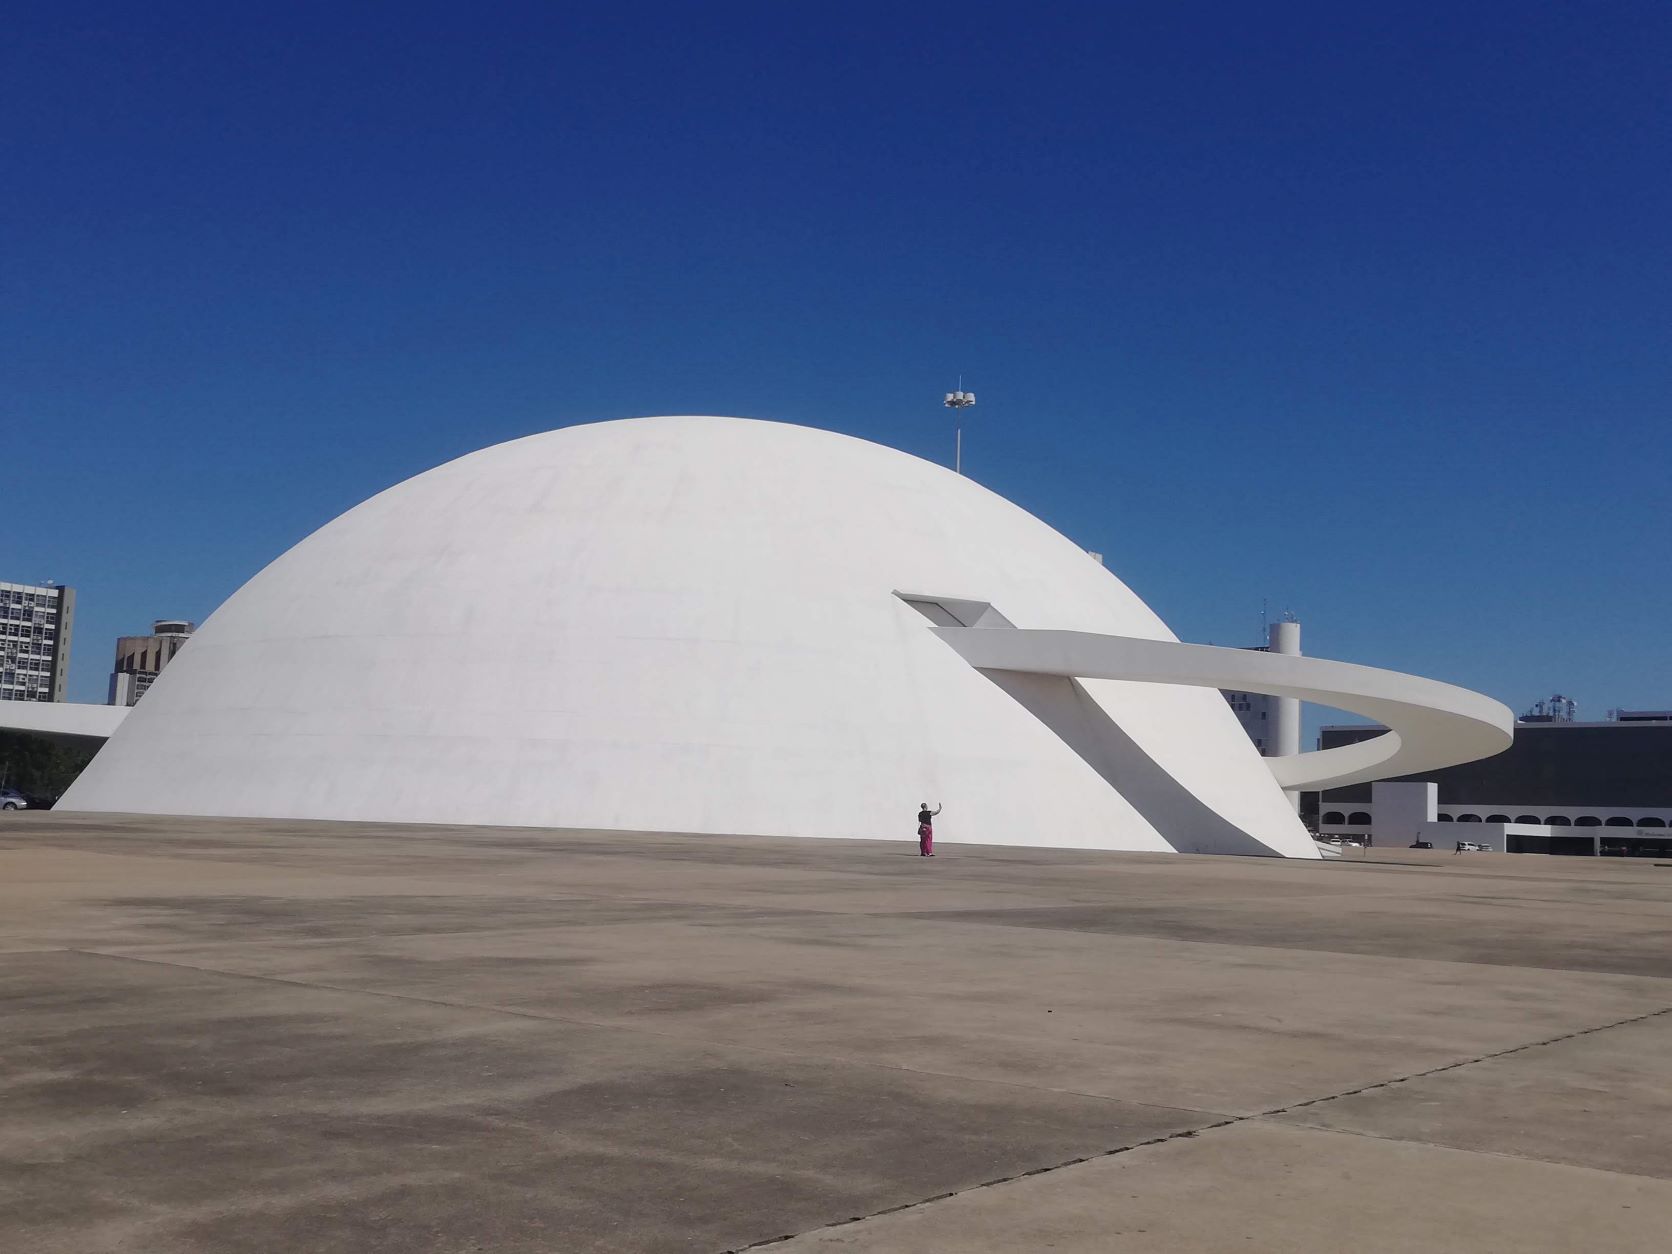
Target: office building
[35, 626]
[140, 659]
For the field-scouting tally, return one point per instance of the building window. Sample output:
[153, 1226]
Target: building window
[1468, 818]
[1587, 820]
[1651, 821]
[1497, 818]
[1526, 818]
[1445, 818]
[1617, 821]
[1358, 816]
[1558, 820]
[1332, 817]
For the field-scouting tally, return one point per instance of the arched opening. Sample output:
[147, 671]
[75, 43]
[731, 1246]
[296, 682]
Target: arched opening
[1651, 821]
[1445, 818]
[1468, 818]
[1528, 818]
[1587, 820]
[1497, 818]
[1358, 816]
[1558, 820]
[1332, 816]
[1617, 821]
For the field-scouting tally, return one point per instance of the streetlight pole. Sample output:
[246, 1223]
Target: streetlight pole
[958, 402]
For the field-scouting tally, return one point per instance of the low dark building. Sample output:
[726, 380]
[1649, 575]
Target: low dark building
[1616, 774]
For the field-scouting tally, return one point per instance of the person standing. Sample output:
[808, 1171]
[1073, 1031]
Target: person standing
[926, 830]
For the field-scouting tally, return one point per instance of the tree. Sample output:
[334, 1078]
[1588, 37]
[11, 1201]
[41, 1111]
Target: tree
[39, 768]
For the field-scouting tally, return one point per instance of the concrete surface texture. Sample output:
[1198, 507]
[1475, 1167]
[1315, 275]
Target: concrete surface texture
[258, 1036]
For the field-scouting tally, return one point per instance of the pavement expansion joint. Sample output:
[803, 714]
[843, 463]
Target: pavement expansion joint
[1188, 1133]
[1466, 1062]
[1184, 1135]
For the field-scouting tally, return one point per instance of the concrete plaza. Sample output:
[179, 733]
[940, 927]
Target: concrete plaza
[239, 1036]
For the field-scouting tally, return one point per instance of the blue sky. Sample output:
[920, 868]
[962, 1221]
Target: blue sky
[1364, 310]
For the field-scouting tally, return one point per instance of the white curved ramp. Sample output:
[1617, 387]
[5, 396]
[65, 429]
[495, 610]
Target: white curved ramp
[1431, 724]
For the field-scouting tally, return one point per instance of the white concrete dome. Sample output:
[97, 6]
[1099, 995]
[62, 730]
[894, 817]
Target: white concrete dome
[683, 624]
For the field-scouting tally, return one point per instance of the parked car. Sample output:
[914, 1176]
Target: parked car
[12, 799]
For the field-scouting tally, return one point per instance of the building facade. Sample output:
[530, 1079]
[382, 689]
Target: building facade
[35, 626]
[140, 659]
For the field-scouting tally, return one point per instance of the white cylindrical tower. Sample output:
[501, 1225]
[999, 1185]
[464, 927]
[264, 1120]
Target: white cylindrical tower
[1284, 738]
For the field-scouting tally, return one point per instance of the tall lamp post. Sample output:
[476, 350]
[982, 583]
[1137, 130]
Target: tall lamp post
[958, 402]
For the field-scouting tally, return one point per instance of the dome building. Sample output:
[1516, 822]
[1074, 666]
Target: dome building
[702, 625]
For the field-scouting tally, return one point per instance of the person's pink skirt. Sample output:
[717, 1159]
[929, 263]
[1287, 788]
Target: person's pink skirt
[925, 839]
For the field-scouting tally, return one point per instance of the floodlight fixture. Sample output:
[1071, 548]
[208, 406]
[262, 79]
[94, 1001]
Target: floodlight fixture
[958, 402]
